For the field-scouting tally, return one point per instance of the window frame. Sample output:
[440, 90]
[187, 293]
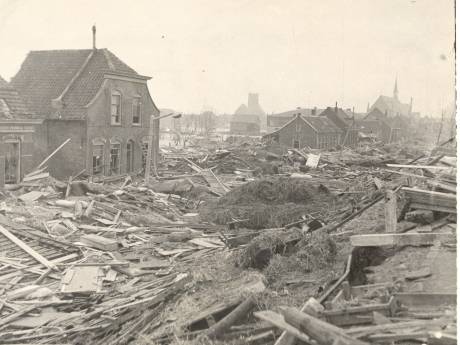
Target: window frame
[118, 94]
[130, 146]
[116, 172]
[102, 159]
[134, 108]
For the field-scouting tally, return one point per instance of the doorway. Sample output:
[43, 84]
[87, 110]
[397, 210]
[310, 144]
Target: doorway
[12, 161]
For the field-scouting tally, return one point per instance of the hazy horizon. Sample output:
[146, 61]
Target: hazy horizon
[210, 54]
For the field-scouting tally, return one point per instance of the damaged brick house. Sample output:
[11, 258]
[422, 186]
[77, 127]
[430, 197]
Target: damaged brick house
[20, 135]
[316, 132]
[96, 100]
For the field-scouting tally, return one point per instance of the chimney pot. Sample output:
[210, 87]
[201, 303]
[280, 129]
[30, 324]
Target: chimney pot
[94, 36]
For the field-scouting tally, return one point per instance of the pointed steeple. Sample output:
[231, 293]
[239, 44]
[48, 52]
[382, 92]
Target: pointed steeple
[395, 90]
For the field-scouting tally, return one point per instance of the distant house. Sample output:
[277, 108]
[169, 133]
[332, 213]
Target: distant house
[248, 118]
[96, 100]
[20, 135]
[315, 132]
[345, 122]
[276, 121]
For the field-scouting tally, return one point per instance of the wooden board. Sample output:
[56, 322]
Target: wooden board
[399, 239]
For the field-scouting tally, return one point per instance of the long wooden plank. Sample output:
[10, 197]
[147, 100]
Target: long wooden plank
[430, 207]
[408, 166]
[429, 193]
[27, 249]
[52, 154]
[413, 239]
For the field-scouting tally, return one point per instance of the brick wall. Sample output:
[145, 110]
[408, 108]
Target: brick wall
[70, 160]
[101, 129]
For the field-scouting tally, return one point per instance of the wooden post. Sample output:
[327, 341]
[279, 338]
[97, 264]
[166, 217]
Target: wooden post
[2, 172]
[148, 160]
[390, 211]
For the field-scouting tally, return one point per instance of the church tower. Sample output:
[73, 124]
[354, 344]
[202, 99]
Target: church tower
[395, 90]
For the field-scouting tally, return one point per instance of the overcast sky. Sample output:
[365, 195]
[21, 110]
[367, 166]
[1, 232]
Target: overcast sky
[210, 53]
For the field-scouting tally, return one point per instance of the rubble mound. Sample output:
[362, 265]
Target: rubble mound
[269, 202]
[283, 254]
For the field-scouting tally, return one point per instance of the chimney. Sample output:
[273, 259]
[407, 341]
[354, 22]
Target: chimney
[410, 108]
[253, 100]
[336, 108]
[94, 36]
[314, 111]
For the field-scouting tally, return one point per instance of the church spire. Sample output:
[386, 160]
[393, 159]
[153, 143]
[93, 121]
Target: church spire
[395, 90]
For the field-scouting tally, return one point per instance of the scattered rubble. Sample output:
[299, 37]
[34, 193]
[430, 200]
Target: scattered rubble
[244, 244]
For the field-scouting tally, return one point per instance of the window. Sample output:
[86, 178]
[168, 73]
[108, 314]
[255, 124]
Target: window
[296, 144]
[115, 149]
[115, 108]
[130, 156]
[145, 147]
[137, 111]
[98, 159]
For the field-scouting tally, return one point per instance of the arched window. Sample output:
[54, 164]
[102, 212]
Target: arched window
[130, 156]
[115, 155]
[115, 108]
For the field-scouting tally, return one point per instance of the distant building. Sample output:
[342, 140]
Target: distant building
[381, 127]
[21, 137]
[248, 118]
[392, 106]
[276, 121]
[346, 122]
[316, 132]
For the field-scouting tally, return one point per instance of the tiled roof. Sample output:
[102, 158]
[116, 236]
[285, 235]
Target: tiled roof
[322, 124]
[76, 75]
[12, 106]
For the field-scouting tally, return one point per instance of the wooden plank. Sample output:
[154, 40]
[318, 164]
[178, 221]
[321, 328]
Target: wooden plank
[429, 193]
[390, 211]
[36, 177]
[52, 154]
[99, 242]
[410, 239]
[278, 321]
[27, 249]
[431, 207]
[319, 330]
[424, 299]
[409, 166]
[391, 327]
